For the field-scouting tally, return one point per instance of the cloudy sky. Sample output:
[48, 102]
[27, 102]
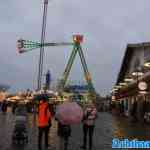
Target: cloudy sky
[107, 27]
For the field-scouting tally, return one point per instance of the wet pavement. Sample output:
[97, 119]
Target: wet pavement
[124, 128]
[102, 136]
[107, 127]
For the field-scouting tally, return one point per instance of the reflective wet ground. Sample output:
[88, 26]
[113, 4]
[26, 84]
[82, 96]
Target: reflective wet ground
[102, 137]
[124, 128]
[107, 127]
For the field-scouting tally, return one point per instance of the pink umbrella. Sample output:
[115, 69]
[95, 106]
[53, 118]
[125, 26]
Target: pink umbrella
[69, 113]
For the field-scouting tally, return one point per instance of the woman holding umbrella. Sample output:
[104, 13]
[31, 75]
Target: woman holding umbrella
[67, 114]
[64, 132]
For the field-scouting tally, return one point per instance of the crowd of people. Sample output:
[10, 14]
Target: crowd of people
[45, 114]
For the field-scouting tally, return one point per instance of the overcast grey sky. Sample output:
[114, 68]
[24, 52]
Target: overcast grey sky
[107, 26]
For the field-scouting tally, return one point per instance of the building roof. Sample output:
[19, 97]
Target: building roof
[127, 58]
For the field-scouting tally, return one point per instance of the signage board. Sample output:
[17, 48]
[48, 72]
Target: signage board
[142, 85]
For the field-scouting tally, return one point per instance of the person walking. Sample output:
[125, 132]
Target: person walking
[4, 106]
[14, 106]
[44, 122]
[64, 132]
[90, 115]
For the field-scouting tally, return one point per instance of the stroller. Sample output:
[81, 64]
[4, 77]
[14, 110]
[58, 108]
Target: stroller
[20, 135]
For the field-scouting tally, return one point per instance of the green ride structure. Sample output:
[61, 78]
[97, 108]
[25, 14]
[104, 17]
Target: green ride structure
[26, 46]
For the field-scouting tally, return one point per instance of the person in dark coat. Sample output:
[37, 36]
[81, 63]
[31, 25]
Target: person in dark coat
[4, 106]
[134, 110]
[14, 107]
[64, 132]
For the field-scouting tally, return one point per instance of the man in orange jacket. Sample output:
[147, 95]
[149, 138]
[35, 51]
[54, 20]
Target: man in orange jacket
[44, 121]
